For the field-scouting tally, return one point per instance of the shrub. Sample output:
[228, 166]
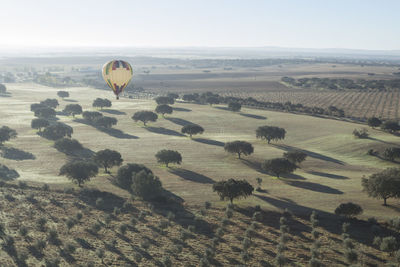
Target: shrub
[41, 224]
[388, 244]
[362, 133]
[351, 256]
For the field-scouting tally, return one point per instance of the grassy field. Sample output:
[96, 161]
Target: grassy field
[330, 175]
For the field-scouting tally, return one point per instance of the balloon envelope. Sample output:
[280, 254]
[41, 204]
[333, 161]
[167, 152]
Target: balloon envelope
[117, 74]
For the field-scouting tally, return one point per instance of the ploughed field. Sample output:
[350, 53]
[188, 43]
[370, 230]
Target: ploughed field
[330, 175]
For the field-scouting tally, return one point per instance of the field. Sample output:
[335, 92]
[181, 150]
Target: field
[331, 174]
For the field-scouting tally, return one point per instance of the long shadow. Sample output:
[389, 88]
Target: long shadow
[5, 94]
[254, 165]
[309, 153]
[89, 196]
[329, 175]
[328, 221]
[70, 100]
[113, 111]
[179, 121]
[162, 130]
[7, 174]
[379, 140]
[181, 109]
[192, 176]
[258, 117]
[209, 142]
[223, 108]
[110, 131]
[292, 176]
[314, 187]
[15, 153]
[84, 153]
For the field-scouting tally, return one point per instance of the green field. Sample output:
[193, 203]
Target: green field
[330, 175]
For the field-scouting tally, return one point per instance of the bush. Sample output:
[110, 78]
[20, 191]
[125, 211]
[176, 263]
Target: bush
[362, 133]
[388, 244]
[348, 209]
[351, 256]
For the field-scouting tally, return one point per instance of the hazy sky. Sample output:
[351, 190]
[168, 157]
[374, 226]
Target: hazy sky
[362, 24]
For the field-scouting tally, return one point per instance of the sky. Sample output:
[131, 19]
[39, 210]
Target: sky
[353, 24]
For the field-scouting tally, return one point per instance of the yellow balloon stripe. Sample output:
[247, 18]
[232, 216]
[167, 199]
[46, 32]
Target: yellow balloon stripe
[119, 77]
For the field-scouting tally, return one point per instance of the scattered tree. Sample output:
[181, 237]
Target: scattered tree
[146, 185]
[63, 94]
[164, 109]
[234, 106]
[91, 116]
[45, 112]
[239, 147]
[270, 133]
[39, 124]
[51, 103]
[105, 122]
[391, 153]
[168, 156]
[79, 171]
[295, 156]
[374, 122]
[232, 189]
[383, 185]
[108, 158]
[145, 116]
[390, 126]
[57, 131]
[279, 166]
[126, 172]
[6, 133]
[73, 109]
[348, 210]
[164, 100]
[101, 103]
[192, 129]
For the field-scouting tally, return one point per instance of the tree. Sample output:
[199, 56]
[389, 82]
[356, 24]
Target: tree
[108, 158]
[270, 133]
[232, 189]
[51, 103]
[374, 122]
[164, 100]
[6, 133]
[234, 106]
[391, 153]
[79, 171]
[390, 126]
[146, 185]
[168, 156]
[164, 109]
[101, 103]
[57, 131]
[348, 210]
[212, 100]
[383, 185]
[126, 172]
[295, 156]
[279, 166]
[91, 116]
[362, 133]
[37, 106]
[173, 95]
[191, 97]
[145, 116]
[104, 121]
[67, 145]
[239, 147]
[63, 94]
[39, 124]
[45, 112]
[192, 129]
[73, 109]
[3, 89]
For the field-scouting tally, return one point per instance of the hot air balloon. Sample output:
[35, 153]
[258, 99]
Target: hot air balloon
[117, 74]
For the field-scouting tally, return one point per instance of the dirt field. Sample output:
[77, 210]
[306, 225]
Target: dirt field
[330, 175]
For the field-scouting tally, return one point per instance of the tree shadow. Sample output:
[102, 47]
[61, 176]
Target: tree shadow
[84, 153]
[291, 176]
[258, 117]
[379, 140]
[6, 94]
[328, 175]
[181, 109]
[89, 197]
[179, 121]
[70, 100]
[7, 174]
[110, 131]
[162, 130]
[314, 187]
[15, 153]
[309, 153]
[209, 142]
[192, 176]
[113, 111]
[223, 108]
